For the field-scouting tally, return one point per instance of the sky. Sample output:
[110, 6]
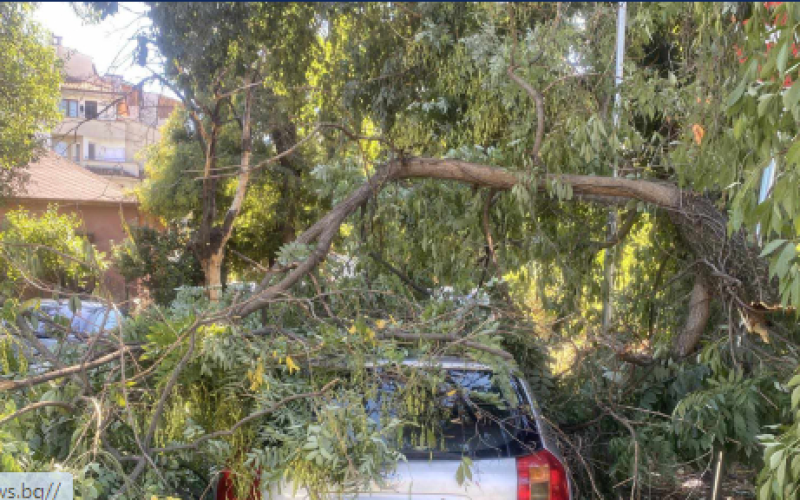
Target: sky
[109, 42]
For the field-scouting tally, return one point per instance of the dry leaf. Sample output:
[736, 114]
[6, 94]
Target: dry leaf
[699, 132]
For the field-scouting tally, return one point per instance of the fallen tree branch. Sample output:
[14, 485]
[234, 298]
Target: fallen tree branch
[700, 223]
[487, 231]
[326, 228]
[36, 406]
[253, 416]
[14, 385]
[696, 319]
[437, 337]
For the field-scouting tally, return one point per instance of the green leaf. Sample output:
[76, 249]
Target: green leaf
[771, 247]
[737, 93]
[763, 492]
[793, 155]
[738, 127]
[783, 58]
[74, 304]
[792, 96]
[781, 476]
[460, 475]
[776, 459]
[782, 264]
[796, 290]
[763, 104]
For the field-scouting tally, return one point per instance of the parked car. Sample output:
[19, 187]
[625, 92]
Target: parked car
[512, 452]
[90, 319]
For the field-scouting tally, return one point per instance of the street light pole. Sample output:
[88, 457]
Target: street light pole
[609, 266]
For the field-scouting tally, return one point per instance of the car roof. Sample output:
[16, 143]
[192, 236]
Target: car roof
[86, 304]
[446, 362]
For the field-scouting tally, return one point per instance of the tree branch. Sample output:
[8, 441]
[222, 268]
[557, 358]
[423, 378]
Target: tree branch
[244, 170]
[326, 228]
[13, 385]
[622, 231]
[400, 274]
[253, 416]
[436, 337]
[696, 319]
[534, 94]
[36, 406]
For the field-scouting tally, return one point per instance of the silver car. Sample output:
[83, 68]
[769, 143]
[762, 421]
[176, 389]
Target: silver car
[512, 453]
[89, 320]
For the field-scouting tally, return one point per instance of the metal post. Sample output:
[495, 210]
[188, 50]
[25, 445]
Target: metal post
[609, 271]
[622, 14]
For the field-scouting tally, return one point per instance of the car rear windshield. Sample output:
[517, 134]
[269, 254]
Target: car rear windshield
[470, 413]
[88, 320]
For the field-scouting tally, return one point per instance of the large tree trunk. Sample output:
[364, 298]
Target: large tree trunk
[696, 320]
[730, 266]
[211, 239]
[212, 268]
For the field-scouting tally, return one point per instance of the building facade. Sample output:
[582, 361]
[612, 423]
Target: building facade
[107, 122]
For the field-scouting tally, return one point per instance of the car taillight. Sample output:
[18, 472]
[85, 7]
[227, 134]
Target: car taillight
[225, 489]
[541, 477]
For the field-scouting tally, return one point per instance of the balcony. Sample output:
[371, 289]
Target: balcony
[113, 155]
[100, 129]
[113, 170]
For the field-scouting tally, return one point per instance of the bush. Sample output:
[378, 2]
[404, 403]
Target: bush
[161, 260]
[49, 249]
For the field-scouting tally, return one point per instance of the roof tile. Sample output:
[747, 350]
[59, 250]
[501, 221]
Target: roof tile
[53, 177]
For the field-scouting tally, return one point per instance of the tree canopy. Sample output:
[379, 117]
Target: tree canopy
[29, 83]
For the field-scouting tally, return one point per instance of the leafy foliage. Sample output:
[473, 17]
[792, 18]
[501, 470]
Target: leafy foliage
[160, 259]
[518, 271]
[47, 248]
[29, 82]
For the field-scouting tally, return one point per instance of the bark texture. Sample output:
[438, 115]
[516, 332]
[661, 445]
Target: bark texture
[211, 239]
[696, 320]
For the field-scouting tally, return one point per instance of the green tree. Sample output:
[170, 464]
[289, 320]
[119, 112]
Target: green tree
[29, 86]
[233, 88]
[161, 259]
[46, 253]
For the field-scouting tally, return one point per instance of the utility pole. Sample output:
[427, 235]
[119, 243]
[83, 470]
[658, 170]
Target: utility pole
[609, 261]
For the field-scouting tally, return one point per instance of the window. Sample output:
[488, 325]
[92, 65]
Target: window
[91, 154]
[471, 413]
[77, 152]
[61, 148]
[114, 154]
[69, 108]
[91, 110]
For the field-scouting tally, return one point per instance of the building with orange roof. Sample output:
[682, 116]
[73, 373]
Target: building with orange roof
[103, 206]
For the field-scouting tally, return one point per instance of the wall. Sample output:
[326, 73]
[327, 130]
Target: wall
[106, 101]
[101, 221]
[129, 134]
